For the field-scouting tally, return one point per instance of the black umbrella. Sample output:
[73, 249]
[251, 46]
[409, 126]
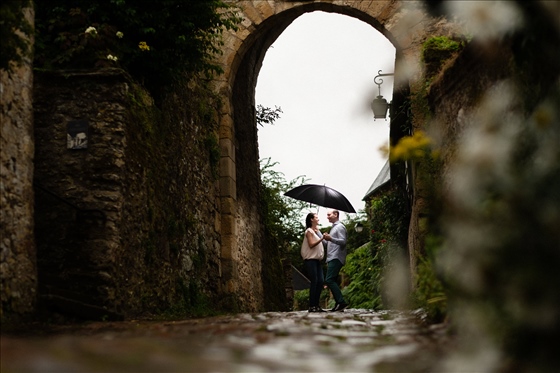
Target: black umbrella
[321, 195]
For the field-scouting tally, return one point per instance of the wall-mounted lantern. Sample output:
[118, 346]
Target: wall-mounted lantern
[359, 227]
[379, 105]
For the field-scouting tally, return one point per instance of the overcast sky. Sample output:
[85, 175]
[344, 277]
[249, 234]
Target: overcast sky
[320, 72]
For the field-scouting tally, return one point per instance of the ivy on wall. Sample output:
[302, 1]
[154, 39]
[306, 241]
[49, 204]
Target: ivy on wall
[156, 42]
[367, 266]
[15, 33]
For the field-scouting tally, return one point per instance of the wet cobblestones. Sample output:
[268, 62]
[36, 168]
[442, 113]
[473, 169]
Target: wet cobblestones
[350, 341]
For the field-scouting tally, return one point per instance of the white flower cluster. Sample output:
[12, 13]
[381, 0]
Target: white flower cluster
[487, 20]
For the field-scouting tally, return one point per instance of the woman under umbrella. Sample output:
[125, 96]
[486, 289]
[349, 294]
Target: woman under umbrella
[312, 252]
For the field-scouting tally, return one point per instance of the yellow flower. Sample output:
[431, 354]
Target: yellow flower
[143, 46]
[410, 147]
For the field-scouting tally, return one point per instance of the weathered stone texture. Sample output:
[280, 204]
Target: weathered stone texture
[18, 278]
[128, 224]
[249, 257]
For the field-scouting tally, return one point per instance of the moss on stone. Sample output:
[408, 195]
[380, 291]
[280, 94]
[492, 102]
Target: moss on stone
[438, 49]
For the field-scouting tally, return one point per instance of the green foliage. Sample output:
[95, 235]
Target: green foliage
[267, 115]
[192, 302]
[362, 265]
[389, 218]
[429, 293]
[440, 43]
[366, 266]
[301, 300]
[355, 239]
[363, 269]
[155, 41]
[212, 144]
[438, 49]
[14, 46]
[282, 215]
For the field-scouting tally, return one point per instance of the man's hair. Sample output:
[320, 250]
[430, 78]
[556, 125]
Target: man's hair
[336, 212]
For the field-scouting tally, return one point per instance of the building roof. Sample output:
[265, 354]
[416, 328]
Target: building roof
[382, 178]
[299, 281]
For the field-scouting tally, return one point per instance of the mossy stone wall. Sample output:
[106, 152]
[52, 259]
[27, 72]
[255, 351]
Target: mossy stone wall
[128, 225]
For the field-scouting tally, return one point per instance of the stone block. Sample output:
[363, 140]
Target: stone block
[228, 187]
[227, 167]
[227, 248]
[229, 225]
[265, 8]
[253, 14]
[226, 128]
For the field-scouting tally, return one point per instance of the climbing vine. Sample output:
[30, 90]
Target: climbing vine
[15, 33]
[155, 41]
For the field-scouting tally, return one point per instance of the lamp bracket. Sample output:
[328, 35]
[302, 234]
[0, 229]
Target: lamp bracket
[378, 80]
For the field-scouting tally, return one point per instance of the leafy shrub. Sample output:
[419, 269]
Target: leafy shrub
[15, 46]
[155, 41]
[301, 300]
[367, 266]
[364, 272]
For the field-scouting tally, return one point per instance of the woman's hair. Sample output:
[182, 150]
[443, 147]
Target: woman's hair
[308, 219]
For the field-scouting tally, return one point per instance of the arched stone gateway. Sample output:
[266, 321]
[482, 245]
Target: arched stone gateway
[405, 24]
[236, 230]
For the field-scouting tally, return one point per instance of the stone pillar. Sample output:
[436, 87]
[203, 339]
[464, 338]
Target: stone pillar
[18, 272]
[228, 197]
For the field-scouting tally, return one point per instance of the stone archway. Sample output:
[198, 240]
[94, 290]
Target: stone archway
[405, 24]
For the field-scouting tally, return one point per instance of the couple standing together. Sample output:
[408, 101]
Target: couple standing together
[312, 252]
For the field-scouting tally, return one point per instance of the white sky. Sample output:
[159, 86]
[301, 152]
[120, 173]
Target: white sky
[320, 72]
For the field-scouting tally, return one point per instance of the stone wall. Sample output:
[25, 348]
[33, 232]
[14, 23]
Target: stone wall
[128, 224]
[18, 274]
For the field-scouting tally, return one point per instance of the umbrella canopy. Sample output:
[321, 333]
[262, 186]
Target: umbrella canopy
[321, 195]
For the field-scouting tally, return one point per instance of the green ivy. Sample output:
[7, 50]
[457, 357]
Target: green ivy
[366, 265]
[212, 144]
[438, 49]
[363, 269]
[15, 47]
[192, 302]
[440, 43]
[155, 41]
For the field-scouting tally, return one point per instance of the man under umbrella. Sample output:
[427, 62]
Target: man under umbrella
[336, 257]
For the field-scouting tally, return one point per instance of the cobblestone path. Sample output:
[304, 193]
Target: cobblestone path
[351, 341]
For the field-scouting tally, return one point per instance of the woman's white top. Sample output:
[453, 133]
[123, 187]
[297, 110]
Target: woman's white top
[317, 252]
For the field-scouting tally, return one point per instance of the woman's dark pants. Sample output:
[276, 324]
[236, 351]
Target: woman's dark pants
[315, 273]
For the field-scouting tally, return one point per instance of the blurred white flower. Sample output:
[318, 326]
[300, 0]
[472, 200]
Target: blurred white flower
[91, 30]
[120, 35]
[112, 58]
[486, 20]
